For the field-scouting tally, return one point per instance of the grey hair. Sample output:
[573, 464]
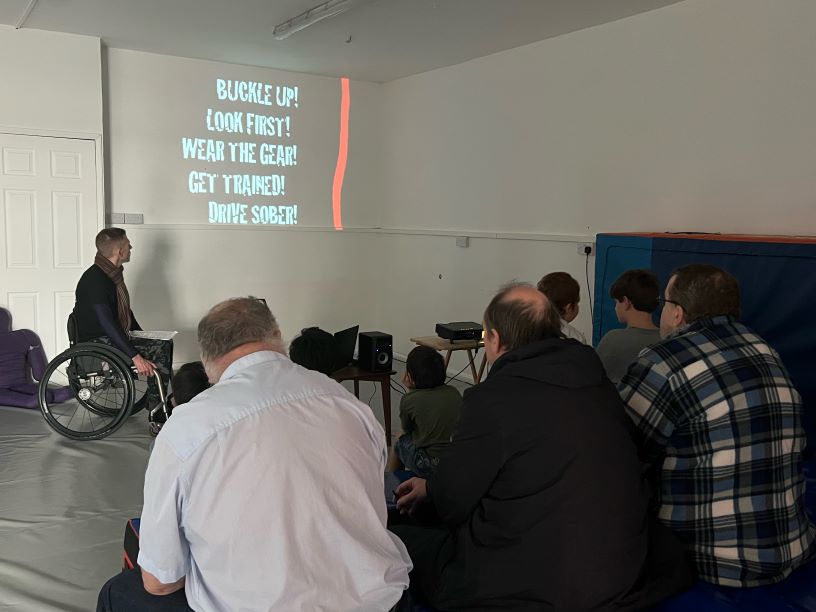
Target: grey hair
[235, 322]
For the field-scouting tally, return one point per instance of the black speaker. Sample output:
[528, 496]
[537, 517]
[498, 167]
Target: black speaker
[375, 352]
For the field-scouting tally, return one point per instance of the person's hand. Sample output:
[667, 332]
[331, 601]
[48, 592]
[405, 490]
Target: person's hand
[410, 494]
[143, 366]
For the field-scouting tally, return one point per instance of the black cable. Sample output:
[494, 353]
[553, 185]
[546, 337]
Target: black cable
[372, 393]
[589, 291]
[399, 384]
[470, 362]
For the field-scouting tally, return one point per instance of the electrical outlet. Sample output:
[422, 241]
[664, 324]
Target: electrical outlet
[463, 241]
[116, 218]
[586, 248]
[134, 218]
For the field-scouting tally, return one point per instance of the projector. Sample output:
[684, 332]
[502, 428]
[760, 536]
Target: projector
[459, 330]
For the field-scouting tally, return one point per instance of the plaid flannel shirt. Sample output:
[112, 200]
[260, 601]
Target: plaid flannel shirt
[719, 422]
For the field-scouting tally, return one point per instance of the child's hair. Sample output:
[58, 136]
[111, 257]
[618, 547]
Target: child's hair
[189, 381]
[426, 367]
[314, 349]
[561, 289]
[640, 286]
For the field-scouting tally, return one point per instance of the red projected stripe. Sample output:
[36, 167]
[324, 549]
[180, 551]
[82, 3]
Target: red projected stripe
[342, 155]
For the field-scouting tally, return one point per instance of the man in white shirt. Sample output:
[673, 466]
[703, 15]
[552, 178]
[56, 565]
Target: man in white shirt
[264, 492]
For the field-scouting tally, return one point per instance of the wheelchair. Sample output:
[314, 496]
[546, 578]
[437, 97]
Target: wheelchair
[106, 390]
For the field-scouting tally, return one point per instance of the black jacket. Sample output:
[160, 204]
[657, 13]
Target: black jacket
[96, 310]
[541, 488]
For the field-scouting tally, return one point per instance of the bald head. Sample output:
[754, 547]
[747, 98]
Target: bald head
[519, 315]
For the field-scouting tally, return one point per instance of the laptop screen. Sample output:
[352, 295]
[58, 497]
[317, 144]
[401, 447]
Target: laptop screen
[344, 343]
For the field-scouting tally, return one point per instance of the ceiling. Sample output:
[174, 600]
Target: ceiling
[377, 40]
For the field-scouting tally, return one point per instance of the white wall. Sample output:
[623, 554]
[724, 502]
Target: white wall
[50, 81]
[308, 278]
[310, 274]
[697, 116]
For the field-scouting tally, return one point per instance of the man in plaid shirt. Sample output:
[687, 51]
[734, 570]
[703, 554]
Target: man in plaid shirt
[719, 423]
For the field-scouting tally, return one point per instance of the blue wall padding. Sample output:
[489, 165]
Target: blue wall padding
[614, 255]
[777, 282]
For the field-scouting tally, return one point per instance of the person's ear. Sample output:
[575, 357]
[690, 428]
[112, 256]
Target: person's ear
[627, 303]
[680, 316]
[493, 340]
[408, 379]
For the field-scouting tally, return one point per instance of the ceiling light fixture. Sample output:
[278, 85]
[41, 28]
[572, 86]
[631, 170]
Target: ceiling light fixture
[322, 11]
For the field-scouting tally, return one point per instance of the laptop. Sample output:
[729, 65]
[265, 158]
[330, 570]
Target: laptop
[344, 343]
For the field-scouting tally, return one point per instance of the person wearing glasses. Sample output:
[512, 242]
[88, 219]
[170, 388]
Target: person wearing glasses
[719, 423]
[636, 293]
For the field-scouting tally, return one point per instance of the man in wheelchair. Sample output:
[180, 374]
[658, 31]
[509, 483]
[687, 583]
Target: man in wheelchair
[102, 312]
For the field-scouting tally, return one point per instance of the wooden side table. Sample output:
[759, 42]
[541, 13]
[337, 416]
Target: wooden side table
[440, 344]
[356, 374]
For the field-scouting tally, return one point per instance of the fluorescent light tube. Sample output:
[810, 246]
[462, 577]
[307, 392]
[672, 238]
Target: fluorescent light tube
[322, 11]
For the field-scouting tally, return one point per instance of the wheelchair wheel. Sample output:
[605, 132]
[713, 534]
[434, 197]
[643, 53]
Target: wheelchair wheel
[140, 397]
[103, 393]
[80, 365]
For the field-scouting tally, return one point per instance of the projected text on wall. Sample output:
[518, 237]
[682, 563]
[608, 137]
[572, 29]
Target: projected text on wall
[257, 142]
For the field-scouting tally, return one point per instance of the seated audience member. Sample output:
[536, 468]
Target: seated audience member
[264, 492]
[22, 365]
[190, 380]
[428, 412]
[564, 292]
[720, 423]
[187, 382]
[540, 492]
[314, 349]
[636, 293]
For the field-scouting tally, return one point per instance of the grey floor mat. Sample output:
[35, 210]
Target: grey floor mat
[63, 508]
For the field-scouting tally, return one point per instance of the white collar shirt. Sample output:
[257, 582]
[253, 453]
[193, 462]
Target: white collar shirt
[266, 492]
[571, 332]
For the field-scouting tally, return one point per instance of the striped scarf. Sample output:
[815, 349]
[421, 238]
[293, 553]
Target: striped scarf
[122, 296]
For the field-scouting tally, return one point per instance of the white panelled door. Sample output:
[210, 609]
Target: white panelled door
[49, 216]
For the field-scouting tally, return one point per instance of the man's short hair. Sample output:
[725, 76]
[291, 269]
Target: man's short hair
[425, 367]
[189, 381]
[561, 289]
[110, 239]
[236, 322]
[314, 349]
[705, 291]
[519, 322]
[640, 286]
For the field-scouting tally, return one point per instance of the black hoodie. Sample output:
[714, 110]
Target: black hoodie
[541, 488]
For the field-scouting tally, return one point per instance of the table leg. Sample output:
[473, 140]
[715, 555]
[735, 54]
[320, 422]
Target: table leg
[357, 389]
[481, 369]
[385, 385]
[472, 365]
[447, 359]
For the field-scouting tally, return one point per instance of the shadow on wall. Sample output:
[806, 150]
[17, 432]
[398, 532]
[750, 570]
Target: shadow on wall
[185, 346]
[152, 293]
